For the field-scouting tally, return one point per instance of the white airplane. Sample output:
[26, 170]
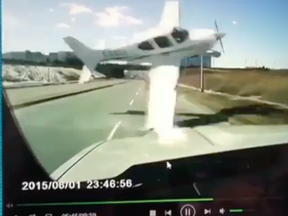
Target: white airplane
[168, 44]
[163, 49]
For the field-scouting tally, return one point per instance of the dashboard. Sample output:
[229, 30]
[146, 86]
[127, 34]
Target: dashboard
[253, 179]
[250, 179]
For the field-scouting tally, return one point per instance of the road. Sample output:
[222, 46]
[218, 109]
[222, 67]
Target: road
[58, 129]
[20, 96]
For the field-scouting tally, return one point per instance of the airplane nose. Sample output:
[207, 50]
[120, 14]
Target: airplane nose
[219, 35]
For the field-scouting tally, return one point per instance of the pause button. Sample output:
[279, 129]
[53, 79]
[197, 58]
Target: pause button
[187, 210]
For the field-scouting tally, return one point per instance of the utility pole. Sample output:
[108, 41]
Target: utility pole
[185, 65]
[46, 58]
[201, 74]
[48, 64]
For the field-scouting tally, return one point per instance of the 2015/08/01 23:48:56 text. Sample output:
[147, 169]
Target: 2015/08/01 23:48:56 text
[50, 185]
[72, 185]
[109, 184]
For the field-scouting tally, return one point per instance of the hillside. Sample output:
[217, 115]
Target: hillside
[22, 73]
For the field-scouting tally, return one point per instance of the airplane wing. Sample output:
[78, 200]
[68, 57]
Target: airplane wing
[201, 140]
[169, 19]
[171, 15]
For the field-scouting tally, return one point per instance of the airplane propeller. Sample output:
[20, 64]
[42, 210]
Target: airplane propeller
[219, 35]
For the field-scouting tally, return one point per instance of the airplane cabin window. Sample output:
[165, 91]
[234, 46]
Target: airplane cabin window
[145, 46]
[180, 35]
[163, 42]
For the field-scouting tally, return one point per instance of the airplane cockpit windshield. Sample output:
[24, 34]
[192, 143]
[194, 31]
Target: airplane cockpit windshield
[179, 34]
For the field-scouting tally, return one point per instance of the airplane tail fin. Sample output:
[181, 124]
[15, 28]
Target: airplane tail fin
[88, 56]
[171, 14]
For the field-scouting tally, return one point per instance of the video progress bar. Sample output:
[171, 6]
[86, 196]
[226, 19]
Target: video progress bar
[117, 202]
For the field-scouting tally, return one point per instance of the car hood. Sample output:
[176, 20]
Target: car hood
[108, 159]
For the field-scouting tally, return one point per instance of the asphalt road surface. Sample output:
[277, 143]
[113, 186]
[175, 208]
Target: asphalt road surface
[59, 129]
[18, 96]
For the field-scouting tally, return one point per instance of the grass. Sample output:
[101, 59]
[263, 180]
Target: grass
[272, 86]
[269, 85]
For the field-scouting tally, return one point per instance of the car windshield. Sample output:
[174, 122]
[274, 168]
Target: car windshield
[73, 108]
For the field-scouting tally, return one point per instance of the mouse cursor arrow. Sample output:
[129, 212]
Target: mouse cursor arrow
[168, 165]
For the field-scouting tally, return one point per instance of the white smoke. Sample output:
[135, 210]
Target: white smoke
[162, 102]
[85, 75]
[174, 137]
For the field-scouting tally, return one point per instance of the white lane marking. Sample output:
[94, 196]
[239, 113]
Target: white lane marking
[138, 91]
[196, 189]
[114, 130]
[131, 102]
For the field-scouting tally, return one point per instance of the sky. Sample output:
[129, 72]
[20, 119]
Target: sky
[257, 31]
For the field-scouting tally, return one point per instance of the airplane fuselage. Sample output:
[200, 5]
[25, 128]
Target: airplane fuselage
[189, 45]
[167, 44]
